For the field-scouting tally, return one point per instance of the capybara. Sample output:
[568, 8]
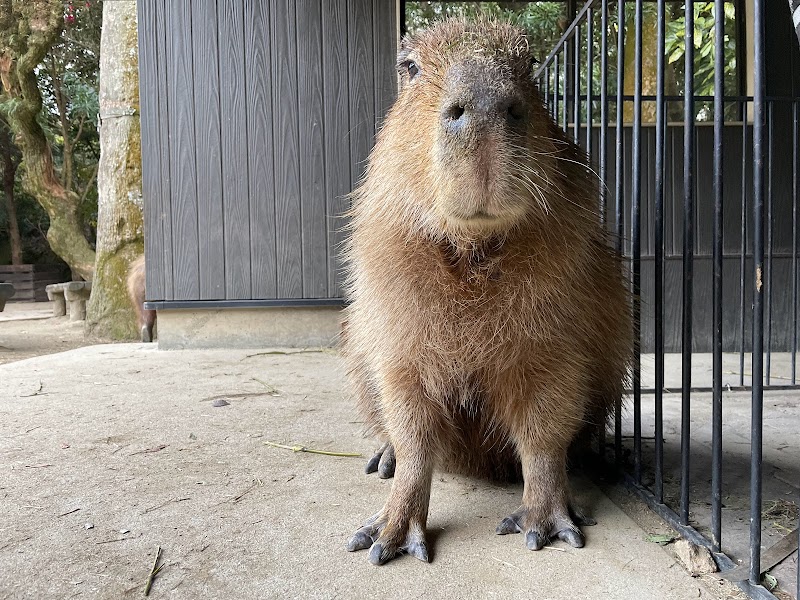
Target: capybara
[145, 319]
[489, 321]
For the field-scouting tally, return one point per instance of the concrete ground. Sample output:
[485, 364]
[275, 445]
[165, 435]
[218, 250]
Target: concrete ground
[111, 451]
[781, 454]
[28, 329]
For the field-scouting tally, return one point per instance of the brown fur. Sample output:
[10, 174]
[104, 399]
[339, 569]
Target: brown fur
[484, 345]
[145, 319]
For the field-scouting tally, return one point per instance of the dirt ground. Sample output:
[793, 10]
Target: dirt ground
[28, 330]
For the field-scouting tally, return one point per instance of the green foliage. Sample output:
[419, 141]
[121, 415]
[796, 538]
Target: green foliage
[546, 21]
[69, 84]
[704, 52]
[543, 21]
[33, 223]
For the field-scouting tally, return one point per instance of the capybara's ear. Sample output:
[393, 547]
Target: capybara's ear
[405, 50]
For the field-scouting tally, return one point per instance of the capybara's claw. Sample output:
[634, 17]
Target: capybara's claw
[361, 540]
[383, 462]
[509, 525]
[540, 531]
[572, 536]
[383, 548]
[372, 463]
[535, 540]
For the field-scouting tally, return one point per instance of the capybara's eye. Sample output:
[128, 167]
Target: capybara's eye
[413, 69]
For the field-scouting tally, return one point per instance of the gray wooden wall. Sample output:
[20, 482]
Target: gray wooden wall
[737, 193]
[257, 118]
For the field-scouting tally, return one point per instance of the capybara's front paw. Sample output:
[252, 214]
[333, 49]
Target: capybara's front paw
[386, 540]
[383, 462]
[541, 526]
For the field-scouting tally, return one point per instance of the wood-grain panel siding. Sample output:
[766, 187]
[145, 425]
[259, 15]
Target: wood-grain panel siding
[152, 167]
[285, 131]
[210, 223]
[336, 76]
[385, 40]
[310, 101]
[260, 150]
[235, 191]
[258, 117]
[183, 181]
[362, 82]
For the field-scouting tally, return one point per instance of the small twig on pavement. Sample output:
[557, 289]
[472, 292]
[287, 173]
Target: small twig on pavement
[69, 512]
[153, 572]
[230, 396]
[508, 564]
[281, 352]
[36, 393]
[256, 483]
[163, 504]
[270, 390]
[149, 450]
[115, 540]
[313, 450]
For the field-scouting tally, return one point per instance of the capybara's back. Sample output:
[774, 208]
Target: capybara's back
[145, 319]
[489, 321]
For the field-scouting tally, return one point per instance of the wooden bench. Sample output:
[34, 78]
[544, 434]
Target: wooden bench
[74, 292]
[6, 291]
[30, 280]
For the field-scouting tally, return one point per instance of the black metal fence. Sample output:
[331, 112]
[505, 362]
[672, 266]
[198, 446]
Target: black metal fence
[756, 279]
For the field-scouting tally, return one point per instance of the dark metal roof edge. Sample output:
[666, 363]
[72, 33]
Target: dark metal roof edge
[224, 304]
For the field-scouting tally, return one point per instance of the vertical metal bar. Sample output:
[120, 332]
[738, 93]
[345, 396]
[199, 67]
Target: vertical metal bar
[636, 250]
[757, 399]
[589, 69]
[794, 249]
[403, 28]
[603, 148]
[556, 87]
[659, 255]
[620, 199]
[743, 245]
[768, 263]
[688, 259]
[603, 108]
[547, 87]
[577, 88]
[716, 403]
[565, 112]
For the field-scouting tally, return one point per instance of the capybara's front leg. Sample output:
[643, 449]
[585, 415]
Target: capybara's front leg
[400, 525]
[542, 423]
[546, 512]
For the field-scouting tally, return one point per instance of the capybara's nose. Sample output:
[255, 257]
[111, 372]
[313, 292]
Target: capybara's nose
[480, 107]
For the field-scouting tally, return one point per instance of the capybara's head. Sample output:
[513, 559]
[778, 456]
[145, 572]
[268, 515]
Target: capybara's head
[468, 130]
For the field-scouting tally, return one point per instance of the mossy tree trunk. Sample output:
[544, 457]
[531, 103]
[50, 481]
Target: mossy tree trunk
[119, 180]
[8, 160]
[649, 64]
[28, 29]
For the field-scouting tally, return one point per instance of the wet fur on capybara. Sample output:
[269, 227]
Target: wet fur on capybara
[145, 319]
[488, 324]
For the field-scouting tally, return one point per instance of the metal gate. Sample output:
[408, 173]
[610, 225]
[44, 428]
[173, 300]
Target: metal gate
[739, 181]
